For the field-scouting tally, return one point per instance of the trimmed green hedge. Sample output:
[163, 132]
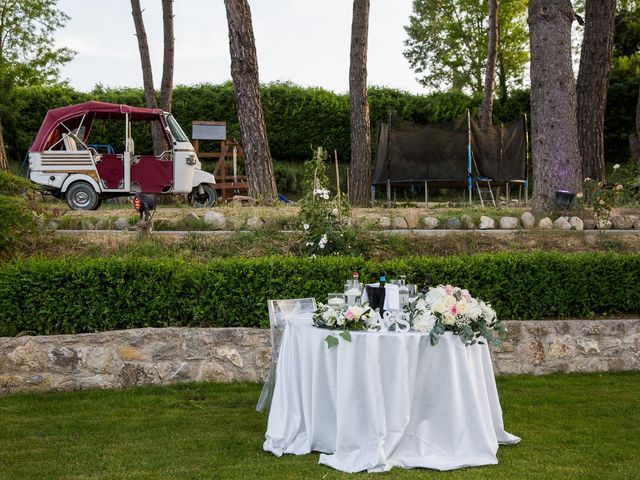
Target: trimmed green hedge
[68, 296]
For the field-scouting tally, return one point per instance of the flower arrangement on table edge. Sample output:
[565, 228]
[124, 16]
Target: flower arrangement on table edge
[444, 308]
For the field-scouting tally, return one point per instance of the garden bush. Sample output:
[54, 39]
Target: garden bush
[73, 296]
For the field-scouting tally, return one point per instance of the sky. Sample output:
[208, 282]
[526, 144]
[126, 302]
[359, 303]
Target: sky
[305, 42]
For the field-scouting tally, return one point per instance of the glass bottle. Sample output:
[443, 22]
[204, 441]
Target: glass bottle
[353, 291]
[382, 279]
[427, 281]
[403, 290]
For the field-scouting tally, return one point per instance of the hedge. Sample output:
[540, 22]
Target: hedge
[73, 296]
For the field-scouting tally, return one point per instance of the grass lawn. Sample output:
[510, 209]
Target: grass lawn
[572, 427]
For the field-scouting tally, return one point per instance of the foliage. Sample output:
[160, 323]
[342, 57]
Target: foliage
[621, 188]
[322, 217]
[87, 295]
[17, 214]
[27, 53]
[448, 43]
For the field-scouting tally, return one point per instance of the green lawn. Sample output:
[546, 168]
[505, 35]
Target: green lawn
[572, 426]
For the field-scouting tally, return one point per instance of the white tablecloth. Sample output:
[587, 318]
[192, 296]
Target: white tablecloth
[384, 400]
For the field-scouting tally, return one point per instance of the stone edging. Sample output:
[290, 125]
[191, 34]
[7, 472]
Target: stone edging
[162, 356]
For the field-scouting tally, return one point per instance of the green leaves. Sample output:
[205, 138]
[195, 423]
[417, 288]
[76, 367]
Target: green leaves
[86, 295]
[331, 341]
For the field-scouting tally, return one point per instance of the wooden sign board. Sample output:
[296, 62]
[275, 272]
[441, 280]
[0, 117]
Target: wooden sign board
[201, 130]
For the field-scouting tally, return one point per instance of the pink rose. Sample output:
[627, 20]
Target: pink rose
[454, 310]
[449, 289]
[349, 315]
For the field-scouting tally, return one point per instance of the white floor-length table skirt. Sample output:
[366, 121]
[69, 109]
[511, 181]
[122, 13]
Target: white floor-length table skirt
[385, 400]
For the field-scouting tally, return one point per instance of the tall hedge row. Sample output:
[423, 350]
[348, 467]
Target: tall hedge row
[297, 117]
[69, 296]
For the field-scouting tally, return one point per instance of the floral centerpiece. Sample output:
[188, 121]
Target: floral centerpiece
[345, 318]
[448, 308]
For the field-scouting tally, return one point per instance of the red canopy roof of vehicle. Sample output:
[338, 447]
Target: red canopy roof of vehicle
[94, 109]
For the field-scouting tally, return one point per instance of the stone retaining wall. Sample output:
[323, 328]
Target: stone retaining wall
[170, 355]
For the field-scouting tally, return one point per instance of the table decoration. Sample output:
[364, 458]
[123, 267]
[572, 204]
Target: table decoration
[448, 308]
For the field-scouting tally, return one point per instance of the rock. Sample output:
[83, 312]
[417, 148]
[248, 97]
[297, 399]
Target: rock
[467, 222]
[561, 223]
[589, 224]
[528, 220]
[192, 217]
[399, 223]
[430, 223]
[508, 223]
[102, 224]
[412, 219]
[121, 224]
[576, 223]
[243, 201]
[453, 224]
[487, 223]
[623, 222]
[604, 224]
[384, 222]
[53, 225]
[255, 223]
[545, 223]
[215, 219]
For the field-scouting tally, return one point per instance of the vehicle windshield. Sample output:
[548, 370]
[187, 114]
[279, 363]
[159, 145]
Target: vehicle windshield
[176, 131]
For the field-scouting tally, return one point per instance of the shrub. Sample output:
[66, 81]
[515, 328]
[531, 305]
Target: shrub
[72, 296]
[17, 215]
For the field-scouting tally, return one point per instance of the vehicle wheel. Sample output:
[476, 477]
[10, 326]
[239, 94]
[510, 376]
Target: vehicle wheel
[82, 196]
[203, 198]
[97, 205]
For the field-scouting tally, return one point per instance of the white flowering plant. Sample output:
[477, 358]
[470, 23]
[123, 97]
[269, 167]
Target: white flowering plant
[448, 308]
[345, 318]
[322, 215]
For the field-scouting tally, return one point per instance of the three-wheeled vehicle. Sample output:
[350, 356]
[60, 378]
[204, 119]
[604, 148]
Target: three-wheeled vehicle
[67, 161]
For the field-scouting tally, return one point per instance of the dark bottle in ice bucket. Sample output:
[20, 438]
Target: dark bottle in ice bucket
[382, 279]
[427, 281]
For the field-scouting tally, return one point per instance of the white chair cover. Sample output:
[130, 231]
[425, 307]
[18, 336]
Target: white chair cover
[280, 311]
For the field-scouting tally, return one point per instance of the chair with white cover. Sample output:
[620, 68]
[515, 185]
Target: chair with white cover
[280, 311]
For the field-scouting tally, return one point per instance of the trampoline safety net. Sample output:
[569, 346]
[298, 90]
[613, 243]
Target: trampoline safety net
[412, 153]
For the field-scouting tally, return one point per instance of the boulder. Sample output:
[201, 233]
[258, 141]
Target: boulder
[487, 223]
[431, 223]
[121, 224]
[623, 222]
[576, 223]
[528, 220]
[589, 224]
[412, 219]
[399, 223]
[453, 223]
[561, 223]
[467, 222]
[255, 223]
[384, 222]
[508, 223]
[604, 224]
[215, 219]
[545, 223]
[52, 225]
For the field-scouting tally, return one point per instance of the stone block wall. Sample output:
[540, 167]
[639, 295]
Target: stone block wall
[148, 356]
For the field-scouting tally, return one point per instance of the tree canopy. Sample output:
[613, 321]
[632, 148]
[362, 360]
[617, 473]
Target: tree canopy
[447, 44]
[27, 52]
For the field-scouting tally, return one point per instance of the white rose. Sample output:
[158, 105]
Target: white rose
[449, 301]
[461, 307]
[424, 322]
[440, 307]
[449, 319]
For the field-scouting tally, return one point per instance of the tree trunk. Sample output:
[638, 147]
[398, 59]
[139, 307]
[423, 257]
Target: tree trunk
[593, 80]
[244, 72]
[485, 113]
[634, 139]
[166, 88]
[360, 173]
[554, 131]
[4, 162]
[147, 75]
